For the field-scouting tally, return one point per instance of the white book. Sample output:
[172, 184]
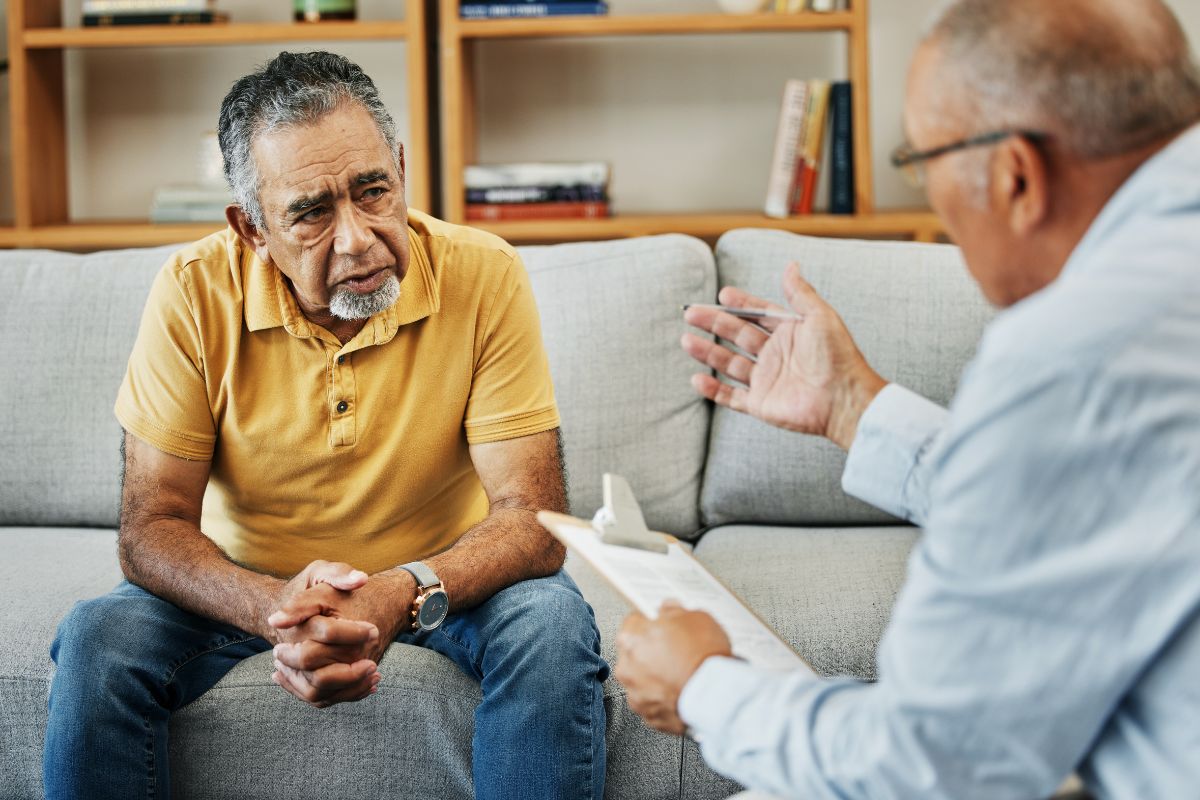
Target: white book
[145, 6]
[788, 137]
[586, 173]
[648, 568]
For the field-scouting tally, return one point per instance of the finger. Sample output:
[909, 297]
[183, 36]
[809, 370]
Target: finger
[721, 393]
[335, 631]
[309, 603]
[311, 655]
[739, 298]
[336, 574]
[722, 359]
[324, 684]
[670, 604]
[800, 294]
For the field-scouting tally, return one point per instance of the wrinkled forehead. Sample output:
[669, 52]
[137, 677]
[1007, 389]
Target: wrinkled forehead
[336, 149]
[934, 103]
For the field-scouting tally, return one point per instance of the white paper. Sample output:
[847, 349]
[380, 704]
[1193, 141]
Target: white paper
[647, 579]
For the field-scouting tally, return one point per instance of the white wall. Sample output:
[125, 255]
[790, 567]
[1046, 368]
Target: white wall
[687, 122]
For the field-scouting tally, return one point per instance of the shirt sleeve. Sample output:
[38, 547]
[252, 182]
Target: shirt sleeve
[1042, 589]
[163, 399]
[889, 462]
[512, 394]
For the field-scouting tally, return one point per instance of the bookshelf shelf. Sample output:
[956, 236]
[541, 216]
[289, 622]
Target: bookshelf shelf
[216, 34]
[38, 42]
[648, 25]
[461, 130]
[917, 225]
[103, 235]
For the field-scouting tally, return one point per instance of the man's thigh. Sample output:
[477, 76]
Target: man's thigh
[131, 632]
[523, 622]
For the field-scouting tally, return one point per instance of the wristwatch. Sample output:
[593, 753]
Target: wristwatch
[432, 603]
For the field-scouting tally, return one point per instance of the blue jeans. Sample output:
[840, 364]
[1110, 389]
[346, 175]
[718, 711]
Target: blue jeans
[128, 659]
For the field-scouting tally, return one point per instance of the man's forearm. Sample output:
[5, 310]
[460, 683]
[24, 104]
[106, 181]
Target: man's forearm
[174, 560]
[506, 547]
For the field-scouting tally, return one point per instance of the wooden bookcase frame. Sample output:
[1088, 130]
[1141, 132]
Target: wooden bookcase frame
[37, 44]
[460, 129]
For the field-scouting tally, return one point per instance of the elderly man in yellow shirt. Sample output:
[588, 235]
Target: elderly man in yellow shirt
[339, 425]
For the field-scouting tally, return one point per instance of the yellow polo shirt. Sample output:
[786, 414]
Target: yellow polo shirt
[319, 450]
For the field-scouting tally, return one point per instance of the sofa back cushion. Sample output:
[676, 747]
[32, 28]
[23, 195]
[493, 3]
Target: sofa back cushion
[68, 323]
[917, 317]
[611, 322]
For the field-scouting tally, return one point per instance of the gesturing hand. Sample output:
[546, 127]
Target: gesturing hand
[806, 376]
[656, 658]
[332, 628]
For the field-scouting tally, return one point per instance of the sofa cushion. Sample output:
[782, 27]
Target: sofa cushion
[828, 592]
[413, 739]
[916, 315]
[68, 323]
[611, 322]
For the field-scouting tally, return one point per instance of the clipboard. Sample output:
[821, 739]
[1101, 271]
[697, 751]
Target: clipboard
[646, 568]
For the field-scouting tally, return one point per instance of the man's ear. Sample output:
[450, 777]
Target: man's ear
[1021, 184]
[403, 168]
[239, 220]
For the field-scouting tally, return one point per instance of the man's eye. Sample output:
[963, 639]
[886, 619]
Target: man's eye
[313, 216]
[374, 192]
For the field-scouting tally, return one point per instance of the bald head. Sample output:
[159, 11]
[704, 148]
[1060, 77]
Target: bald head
[1103, 76]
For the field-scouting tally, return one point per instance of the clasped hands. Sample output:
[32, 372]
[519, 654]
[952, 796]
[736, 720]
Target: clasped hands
[332, 626]
[803, 375]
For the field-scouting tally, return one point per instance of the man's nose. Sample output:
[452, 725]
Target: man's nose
[351, 235]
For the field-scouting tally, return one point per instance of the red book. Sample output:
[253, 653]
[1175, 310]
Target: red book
[495, 212]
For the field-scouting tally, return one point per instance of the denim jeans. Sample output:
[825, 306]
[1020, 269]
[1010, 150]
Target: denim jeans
[128, 659]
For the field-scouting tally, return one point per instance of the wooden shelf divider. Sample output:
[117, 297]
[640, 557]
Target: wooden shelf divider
[648, 25]
[214, 34]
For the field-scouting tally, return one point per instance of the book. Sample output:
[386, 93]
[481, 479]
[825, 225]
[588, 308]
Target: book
[550, 193]
[648, 568]
[792, 115]
[155, 18]
[494, 176]
[479, 212]
[808, 163]
[145, 6]
[544, 9]
[841, 144]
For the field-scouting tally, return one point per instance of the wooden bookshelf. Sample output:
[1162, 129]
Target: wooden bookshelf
[38, 41]
[921, 226]
[461, 131]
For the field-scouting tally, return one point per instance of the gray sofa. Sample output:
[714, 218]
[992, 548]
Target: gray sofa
[764, 507]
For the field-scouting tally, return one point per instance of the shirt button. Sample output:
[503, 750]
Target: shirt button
[342, 406]
[341, 359]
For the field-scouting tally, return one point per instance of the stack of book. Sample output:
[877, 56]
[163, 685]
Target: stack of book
[197, 203]
[470, 9]
[812, 112]
[150, 12]
[799, 6]
[537, 191]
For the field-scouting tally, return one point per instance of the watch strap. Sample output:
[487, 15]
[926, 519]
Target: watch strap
[421, 571]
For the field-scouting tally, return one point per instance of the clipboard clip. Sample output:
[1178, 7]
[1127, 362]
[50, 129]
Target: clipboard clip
[620, 522]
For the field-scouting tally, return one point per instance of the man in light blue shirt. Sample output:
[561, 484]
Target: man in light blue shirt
[1050, 621]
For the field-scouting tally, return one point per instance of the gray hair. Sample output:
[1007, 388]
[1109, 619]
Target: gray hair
[1104, 77]
[292, 89]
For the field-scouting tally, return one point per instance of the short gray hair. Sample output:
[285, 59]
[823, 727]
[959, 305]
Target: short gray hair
[292, 89]
[1100, 83]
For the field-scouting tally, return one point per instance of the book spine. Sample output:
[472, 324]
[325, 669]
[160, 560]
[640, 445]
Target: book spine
[145, 6]
[841, 163]
[814, 141]
[504, 176]
[483, 212]
[505, 10]
[185, 18]
[787, 141]
[539, 194]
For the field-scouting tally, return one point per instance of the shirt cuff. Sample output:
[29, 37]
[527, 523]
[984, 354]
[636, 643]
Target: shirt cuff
[892, 433]
[714, 693]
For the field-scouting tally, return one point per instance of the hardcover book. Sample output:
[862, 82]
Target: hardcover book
[788, 137]
[841, 142]
[181, 18]
[544, 9]
[478, 212]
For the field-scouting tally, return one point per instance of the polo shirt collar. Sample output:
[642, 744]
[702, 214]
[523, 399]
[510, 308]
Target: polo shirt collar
[270, 304]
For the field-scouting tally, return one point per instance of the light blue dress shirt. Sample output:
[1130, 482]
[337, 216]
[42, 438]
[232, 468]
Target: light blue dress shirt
[1050, 620]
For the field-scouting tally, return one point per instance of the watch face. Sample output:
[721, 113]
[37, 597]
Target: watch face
[434, 610]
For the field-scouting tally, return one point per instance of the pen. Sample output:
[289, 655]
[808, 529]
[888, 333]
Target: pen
[748, 313]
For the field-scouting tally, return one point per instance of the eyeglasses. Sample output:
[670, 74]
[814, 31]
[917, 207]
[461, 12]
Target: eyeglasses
[911, 163]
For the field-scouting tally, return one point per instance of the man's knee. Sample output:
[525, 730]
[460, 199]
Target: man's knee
[97, 636]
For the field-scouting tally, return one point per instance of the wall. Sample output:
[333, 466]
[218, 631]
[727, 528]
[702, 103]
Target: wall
[687, 122]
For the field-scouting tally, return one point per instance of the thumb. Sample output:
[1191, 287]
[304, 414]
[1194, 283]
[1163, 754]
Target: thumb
[338, 575]
[800, 294]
